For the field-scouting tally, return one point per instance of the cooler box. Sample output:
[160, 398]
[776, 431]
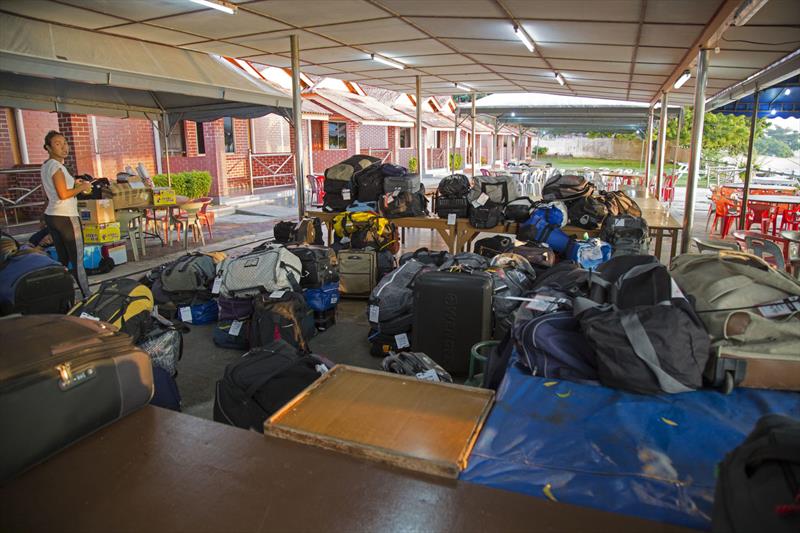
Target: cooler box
[92, 254]
[164, 196]
[101, 233]
[116, 251]
[96, 211]
[130, 195]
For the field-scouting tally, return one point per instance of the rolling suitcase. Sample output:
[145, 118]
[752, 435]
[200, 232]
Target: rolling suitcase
[452, 312]
[62, 378]
[32, 283]
[358, 272]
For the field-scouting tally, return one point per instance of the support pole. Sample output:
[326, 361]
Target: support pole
[474, 144]
[164, 131]
[452, 156]
[22, 141]
[749, 170]
[662, 143]
[696, 148]
[297, 105]
[677, 141]
[648, 155]
[420, 136]
[493, 153]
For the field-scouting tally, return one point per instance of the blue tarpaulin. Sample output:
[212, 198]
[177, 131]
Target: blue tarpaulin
[648, 456]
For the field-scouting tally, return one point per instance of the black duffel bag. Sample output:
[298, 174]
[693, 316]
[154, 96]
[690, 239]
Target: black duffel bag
[262, 381]
[368, 183]
[492, 246]
[486, 216]
[586, 212]
[566, 187]
[519, 209]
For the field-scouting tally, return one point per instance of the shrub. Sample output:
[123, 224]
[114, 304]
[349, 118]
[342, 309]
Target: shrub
[412, 165]
[193, 184]
[539, 151]
[458, 159]
[483, 160]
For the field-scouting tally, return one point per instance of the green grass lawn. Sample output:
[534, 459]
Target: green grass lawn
[580, 162]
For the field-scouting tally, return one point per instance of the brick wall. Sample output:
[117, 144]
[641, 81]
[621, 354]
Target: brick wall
[122, 142]
[326, 157]
[37, 124]
[7, 144]
[374, 137]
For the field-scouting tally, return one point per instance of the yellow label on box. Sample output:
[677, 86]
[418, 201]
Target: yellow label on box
[101, 233]
[164, 196]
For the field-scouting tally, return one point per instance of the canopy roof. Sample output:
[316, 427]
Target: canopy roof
[620, 49]
[56, 68]
[361, 109]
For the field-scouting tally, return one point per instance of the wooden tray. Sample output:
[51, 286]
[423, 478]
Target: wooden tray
[419, 425]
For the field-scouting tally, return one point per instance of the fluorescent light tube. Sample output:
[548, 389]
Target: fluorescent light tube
[462, 88]
[524, 38]
[390, 62]
[682, 79]
[787, 92]
[560, 79]
[219, 6]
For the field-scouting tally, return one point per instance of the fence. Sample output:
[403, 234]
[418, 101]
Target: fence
[270, 169]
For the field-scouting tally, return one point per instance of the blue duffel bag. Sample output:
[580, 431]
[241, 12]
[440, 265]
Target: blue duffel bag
[202, 313]
[544, 225]
[589, 254]
[323, 298]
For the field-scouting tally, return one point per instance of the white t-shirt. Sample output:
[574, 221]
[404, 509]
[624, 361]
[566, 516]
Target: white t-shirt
[55, 205]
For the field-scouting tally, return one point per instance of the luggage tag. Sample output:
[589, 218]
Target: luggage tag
[781, 308]
[217, 285]
[428, 375]
[236, 328]
[374, 313]
[401, 340]
[345, 194]
[451, 219]
[480, 200]
[88, 316]
[186, 314]
[543, 303]
[620, 223]
[277, 294]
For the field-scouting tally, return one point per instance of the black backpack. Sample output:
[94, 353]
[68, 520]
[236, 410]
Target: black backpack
[451, 196]
[368, 183]
[758, 486]
[519, 209]
[586, 212]
[486, 216]
[262, 381]
[648, 339]
[492, 246]
[627, 235]
[404, 204]
[561, 187]
[319, 265]
[286, 317]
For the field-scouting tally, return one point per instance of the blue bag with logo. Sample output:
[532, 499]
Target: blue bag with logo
[323, 298]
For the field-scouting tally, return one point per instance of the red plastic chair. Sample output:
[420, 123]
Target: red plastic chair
[206, 219]
[755, 212]
[790, 219]
[485, 172]
[668, 189]
[728, 212]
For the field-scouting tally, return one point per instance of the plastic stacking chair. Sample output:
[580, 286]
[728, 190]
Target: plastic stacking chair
[206, 219]
[766, 249]
[727, 211]
[790, 219]
[478, 355]
[668, 189]
[131, 227]
[189, 217]
[485, 172]
[714, 247]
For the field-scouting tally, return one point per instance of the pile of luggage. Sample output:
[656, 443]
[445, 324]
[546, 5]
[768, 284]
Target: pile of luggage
[365, 183]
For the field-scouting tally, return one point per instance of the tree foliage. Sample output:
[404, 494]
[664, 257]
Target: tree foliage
[722, 134]
[768, 145]
[788, 136]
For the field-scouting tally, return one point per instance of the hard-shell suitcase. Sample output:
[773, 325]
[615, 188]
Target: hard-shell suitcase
[358, 272]
[452, 312]
[32, 283]
[61, 378]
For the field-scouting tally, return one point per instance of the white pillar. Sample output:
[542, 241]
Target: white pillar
[474, 144]
[420, 136]
[157, 145]
[22, 142]
[298, 127]
[648, 141]
[662, 143]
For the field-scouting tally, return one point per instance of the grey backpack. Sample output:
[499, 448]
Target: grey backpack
[393, 296]
[190, 273]
[627, 235]
[512, 277]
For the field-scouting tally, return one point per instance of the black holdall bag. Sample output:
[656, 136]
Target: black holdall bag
[451, 196]
[368, 183]
[565, 187]
[345, 170]
[426, 257]
[586, 212]
[492, 246]
[320, 265]
[399, 204]
[262, 381]
[283, 315]
[338, 195]
[308, 230]
[647, 337]
[486, 216]
[758, 486]
[519, 209]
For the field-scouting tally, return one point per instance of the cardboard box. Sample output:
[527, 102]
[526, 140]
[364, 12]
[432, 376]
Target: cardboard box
[96, 211]
[164, 196]
[125, 196]
[101, 233]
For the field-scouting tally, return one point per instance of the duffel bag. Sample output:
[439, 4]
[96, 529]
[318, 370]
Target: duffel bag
[308, 230]
[235, 308]
[232, 334]
[164, 345]
[586, 212]
[486, 216]
[453, 186]
[393, 296]
[275, 268]
[415, 364]
[345, 170]
[123, 303]
[647, 337]
[282, 316]
[404, 183]
[619, 203]
[33, 283]
[363, 207]
[545, 225]
[627, 235]
[319, 265]
[199, 314]
[466, 261]
[368, 183]
[323, 298]
[492, 246]
[519, 210]
[399, 204]
[499, 189]
[566, 187]
[538, 255]
[451, 206]
[390, 169]
[262, 381]
[589, 254]
[189, 278]
[365, 230]
[512, 277]
[426, 257]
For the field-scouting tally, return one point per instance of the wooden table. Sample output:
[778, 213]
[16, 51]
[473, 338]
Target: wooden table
[161, 471]
[467, 233]
[658, 219]
[447, 232]
[625, 176]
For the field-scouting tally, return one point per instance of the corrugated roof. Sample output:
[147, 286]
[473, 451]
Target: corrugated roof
[362, 109]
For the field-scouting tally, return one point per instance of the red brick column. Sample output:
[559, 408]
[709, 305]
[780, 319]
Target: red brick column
[76, 130]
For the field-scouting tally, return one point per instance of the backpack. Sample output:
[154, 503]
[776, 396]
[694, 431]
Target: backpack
[627, 235]
[426, 257]
[512, 277]
[345, 170]
[646, 335]
[262, 381]
[123, 303]
[415, 364]
[338, 195]
[729, 288]
[492, 246]
[757, 485]
[368, 183]
[566, 187]
[365, 230]
[164, 345]
[393, 296]
[404, 204]
[586, 212]
[308, 230]
[282, 317]
[497, 189]
[275, 268]
[451, 196]
[486, 216]
[519, 210]
[590, 253]
[189, 278]
[319, 265]
[619, 203]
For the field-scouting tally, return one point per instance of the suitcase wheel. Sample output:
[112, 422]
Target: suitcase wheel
[729, 384]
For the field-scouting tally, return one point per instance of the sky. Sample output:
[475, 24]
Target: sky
[791, 123]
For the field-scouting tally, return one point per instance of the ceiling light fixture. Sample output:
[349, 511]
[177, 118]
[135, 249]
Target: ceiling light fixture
[219, 5]
[787, 92]
[747, 10]
[513, 114]
[560, 79]
[772, 112]
[462, 87]
[524, 38]
[386, 61]
[682, 79]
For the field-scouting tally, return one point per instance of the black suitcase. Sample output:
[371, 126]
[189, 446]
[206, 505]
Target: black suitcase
[452, 312]
[62, 378]
[32, 283]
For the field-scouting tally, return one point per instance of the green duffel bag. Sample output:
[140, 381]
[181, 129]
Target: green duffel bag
[748, 307]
